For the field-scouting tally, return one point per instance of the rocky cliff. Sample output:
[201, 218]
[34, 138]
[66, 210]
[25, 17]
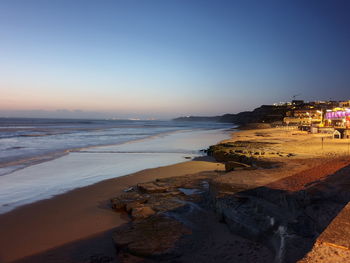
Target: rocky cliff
[263, 114]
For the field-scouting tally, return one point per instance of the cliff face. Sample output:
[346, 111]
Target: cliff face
[265, 113]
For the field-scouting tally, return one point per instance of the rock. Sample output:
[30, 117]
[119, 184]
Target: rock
[230, 166]
[163, 203]
[142, 212]
[151, 233]
[248, 152]
[151, 188]
[129, 189]
[132, 205]
[121, 202]
[151, 237]
[118, 204]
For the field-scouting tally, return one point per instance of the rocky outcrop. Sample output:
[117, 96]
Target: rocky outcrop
[152, 187]
[155, 210]
[232, 166]
[246, 153]
[154, 236]
[287, 222]
[264, 114]
[284, 214]
[172, 216]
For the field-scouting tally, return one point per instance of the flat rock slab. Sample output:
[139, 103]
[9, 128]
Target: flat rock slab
[151, 187]
[151, 237]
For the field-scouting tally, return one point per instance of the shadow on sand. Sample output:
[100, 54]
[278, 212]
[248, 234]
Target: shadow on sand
[288, 222]
[98, 248]
[265, 224]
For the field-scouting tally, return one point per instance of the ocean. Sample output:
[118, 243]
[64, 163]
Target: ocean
[40, 158]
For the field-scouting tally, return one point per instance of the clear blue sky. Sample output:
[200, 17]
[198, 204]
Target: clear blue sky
[167, 58]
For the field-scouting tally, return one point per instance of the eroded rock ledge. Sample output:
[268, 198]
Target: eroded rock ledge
[169, 216]
[262, 220]
[246, 154]
[156, 210]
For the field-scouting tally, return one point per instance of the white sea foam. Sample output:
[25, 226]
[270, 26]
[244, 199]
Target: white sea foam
[91, 165]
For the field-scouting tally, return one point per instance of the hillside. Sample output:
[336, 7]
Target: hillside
[265, 113]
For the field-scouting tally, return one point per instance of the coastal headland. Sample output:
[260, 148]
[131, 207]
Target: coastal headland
[265, 195]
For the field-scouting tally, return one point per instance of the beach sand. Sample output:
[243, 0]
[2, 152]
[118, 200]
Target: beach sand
[76, 226]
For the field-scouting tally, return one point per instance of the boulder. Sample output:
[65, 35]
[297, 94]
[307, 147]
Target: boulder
[151, 187]
[151, 237]
[132, 205]
[131, 198]
[142, 212]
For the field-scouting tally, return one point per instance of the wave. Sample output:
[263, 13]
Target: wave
[83, 166]
[10, 165]
[44, 139]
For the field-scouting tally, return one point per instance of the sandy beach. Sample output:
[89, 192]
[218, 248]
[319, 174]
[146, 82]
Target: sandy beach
[77, 226]
[174, 131]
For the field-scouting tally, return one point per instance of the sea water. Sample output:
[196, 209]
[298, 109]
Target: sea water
[40, 158]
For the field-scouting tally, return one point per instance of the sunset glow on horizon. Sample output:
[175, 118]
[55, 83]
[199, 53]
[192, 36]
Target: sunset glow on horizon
[168, 58]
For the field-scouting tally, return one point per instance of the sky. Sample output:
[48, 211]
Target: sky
[169, 58]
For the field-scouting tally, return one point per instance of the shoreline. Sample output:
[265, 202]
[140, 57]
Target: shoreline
[77, 214]
[28, 161]
[82, 168]
[69, 227]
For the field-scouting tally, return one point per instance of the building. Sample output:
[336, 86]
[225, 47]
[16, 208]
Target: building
[338, 117]
[306, 116]
[344, 104]
[327, 117]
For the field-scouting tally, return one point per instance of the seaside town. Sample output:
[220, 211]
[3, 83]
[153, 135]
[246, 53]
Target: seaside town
[330, 118]
[174, 131]
[327, 117]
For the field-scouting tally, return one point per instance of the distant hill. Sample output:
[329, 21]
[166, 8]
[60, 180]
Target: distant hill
[265, 113]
